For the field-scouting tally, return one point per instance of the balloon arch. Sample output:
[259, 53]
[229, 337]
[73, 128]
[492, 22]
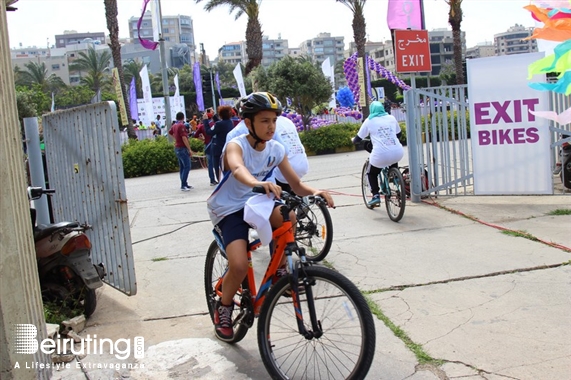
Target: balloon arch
[350, 69]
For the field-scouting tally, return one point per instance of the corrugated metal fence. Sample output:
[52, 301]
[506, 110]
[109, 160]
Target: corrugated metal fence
[85, 167]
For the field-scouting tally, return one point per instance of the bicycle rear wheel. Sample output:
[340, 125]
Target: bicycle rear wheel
[365, 187]
[314, 230]
[395, 199]
[347, 346]
[215, 268]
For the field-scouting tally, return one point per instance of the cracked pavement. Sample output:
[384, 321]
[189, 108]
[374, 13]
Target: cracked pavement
[482, 304]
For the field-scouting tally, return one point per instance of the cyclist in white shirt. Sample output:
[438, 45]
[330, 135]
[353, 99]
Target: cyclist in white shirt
[385, 131]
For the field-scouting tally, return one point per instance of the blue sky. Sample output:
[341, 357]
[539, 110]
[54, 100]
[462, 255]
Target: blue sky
[38, 21]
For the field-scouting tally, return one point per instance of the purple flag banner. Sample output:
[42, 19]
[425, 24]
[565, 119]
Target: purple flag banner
[217, 78]
[147, 44]
[133, 100]
[198, 86]
[404, 14]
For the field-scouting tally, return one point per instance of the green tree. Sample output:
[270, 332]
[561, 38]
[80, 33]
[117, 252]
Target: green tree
[131, 70]
[37, 73]
[302, 82]
[72, 96]
[254, 33]
[113, 27]
[455, 19]
[186, 79]
[447, 72]
[95, 64]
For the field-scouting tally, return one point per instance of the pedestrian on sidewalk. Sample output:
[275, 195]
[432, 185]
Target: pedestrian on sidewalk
[182, 150]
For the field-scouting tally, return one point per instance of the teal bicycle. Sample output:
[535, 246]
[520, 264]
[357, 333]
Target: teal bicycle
[392, 189]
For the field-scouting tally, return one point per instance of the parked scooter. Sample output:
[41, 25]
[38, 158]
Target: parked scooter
[67, 275]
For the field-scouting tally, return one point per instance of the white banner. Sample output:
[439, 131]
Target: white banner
[510, 146]
[146, 109]
[240, 80]
[158, 107]
[156, 20]
[177, 104]
[328, 72]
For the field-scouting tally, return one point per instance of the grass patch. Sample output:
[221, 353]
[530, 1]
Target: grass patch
[560, 211]
[56, 313]
[522, 234]
[422, 356]
[159, 258]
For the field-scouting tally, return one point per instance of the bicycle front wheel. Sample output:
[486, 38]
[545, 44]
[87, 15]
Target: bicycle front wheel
[346, 347]
[215, 268]
[395, 200]
[314, 230]
[365, 187]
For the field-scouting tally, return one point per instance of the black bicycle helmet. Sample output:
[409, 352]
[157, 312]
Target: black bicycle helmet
[260, 101]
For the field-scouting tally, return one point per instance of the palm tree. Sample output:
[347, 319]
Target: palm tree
[95, 64]
[455, 19]
[359, 35]
[113, 27]
[131, 70]
[37, 73]
[253, 29]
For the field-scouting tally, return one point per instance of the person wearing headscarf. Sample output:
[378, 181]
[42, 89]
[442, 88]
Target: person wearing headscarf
[385, 132]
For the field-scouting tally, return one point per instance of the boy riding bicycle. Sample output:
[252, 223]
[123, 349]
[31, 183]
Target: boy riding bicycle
[385, 132]
[248, 161]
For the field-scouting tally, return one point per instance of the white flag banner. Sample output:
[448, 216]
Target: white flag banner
[329, 73]
[156, 20]
[53, 103]
[178, 107]
[147, 109]
[240, 80]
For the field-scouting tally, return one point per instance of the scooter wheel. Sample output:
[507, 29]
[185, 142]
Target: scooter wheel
[90, 302]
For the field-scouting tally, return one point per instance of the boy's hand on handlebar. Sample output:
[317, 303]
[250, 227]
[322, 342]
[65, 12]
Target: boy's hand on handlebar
[271, 187]
[325, 195]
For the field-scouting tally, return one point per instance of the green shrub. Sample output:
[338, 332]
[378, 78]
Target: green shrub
[403, 133]
[196, 145]
[327, 139]
[148, 157]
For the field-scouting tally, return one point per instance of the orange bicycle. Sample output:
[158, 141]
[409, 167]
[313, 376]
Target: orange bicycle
[313, 323]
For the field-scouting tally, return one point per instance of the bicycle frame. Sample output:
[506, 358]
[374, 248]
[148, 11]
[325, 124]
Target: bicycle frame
[284, 245]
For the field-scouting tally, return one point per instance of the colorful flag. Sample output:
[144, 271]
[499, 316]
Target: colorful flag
[217, 79]
[133, 100]
[198, 86]
[405, 14]
[147, 44]
[119, 94]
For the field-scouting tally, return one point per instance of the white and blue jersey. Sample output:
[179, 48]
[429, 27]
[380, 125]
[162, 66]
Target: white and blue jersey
[231, 195]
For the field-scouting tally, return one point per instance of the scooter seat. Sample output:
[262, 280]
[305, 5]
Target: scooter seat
[45, 230]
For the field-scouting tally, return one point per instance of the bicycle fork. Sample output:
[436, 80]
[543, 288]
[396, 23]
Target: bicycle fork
[316, 330]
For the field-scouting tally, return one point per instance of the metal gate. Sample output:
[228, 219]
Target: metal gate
[439, 145]
[438, 141]
[85, 167]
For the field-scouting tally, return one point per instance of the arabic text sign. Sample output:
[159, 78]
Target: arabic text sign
[510, 146]
[412, 51]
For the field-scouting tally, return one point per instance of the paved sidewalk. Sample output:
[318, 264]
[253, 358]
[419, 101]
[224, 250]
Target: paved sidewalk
[483, 304]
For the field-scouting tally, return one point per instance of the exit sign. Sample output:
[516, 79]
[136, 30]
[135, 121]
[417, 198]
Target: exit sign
[412, 51]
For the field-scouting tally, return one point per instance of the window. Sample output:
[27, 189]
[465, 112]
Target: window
[55, 66]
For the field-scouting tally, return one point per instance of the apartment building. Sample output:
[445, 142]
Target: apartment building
[486, 49]
[71, 37]
[233, 53]
[177, 29]
[512, 41]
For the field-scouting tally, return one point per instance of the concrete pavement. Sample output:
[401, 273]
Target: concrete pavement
[478, 302]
